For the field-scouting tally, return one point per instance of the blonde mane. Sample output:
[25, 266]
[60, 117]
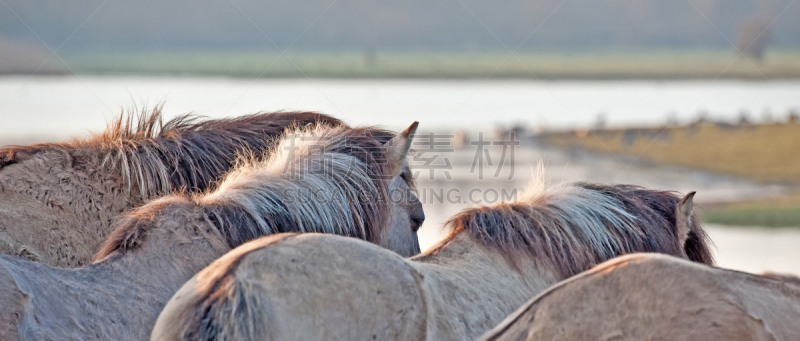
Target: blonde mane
[317, 179]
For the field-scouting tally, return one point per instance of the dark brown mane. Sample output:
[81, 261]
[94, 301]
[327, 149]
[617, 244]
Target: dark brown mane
[255, 198]
[154, 157]
[581, 225]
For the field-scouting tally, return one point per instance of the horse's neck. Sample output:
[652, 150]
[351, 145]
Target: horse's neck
[68, 198]
[95, 184]
[470, 288]
[178, 240]
[120, 297]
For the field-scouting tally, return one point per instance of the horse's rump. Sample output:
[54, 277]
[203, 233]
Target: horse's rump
[250, 293]
[651, 296]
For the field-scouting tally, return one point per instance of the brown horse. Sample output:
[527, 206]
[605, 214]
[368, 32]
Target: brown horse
[314, 286]
[657, 297]
[58, 201]
[338, 180]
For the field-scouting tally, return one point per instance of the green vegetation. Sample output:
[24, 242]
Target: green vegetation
[774, 212]
[755, 216]
[763, 152]
[579, 65]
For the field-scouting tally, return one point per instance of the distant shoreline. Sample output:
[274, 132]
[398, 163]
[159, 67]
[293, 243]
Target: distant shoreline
[763, 152]
[621, 65]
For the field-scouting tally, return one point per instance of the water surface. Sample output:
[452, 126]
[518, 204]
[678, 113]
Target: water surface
[71, 105]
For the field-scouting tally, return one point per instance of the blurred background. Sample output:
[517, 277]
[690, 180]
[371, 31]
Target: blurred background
[683, 95]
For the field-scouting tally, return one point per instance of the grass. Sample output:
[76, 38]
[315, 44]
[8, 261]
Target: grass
[544, 65]
[767, 152]
[755, 216]
[774, 212]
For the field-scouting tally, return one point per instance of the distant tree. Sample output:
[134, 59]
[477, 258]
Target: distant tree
[754, 35]
[18, 57]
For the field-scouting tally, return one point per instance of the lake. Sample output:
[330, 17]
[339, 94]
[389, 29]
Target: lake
[68, 105]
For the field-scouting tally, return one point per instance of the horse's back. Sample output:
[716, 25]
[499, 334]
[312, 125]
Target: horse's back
[308, 286]
[12, 300]
[31, 299]
[656, 297]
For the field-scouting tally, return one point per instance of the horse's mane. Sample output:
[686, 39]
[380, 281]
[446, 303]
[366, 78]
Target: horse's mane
[154, 158]
[786, 278]
[576, 226]
[333, 182]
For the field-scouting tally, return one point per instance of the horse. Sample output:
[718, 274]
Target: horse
[339, 180]
[658, 297]
[58, 201]
[494, 260]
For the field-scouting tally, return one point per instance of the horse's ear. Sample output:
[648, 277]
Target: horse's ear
[397, 149]
[684, 217]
